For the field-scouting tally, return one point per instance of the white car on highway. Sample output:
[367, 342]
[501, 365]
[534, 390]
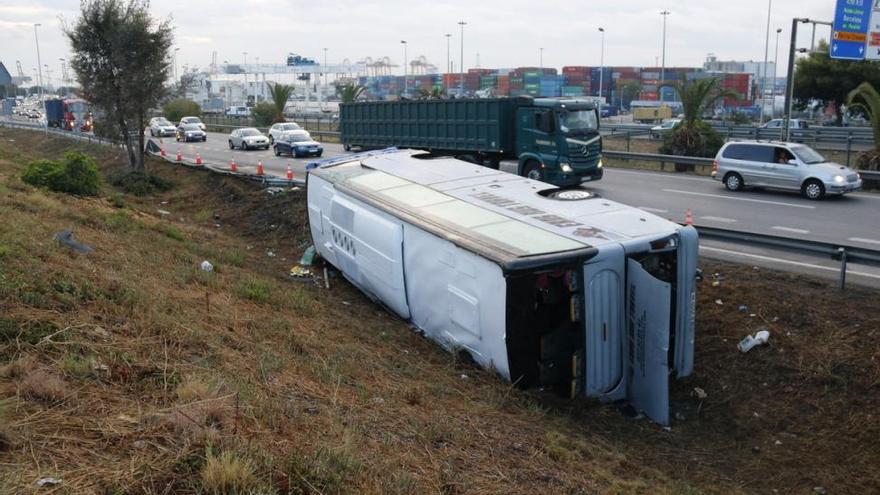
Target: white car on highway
[278, 130]
[160, 126]
[192, 120]
[658, 131]
[248, 138]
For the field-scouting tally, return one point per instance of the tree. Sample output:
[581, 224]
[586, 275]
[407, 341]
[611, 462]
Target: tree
[693, 137]
[434, 94]
[280, 93]
[264, 114]
[819, 77]
[628, 90]
[177, 109]
[121, 61]
[349, 92]
[866, 99]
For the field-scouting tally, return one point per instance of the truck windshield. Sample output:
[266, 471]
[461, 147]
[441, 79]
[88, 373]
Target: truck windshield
[76, 107]
[578, 121]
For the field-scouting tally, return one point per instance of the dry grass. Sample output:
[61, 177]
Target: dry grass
[303, 394]
[42, 386]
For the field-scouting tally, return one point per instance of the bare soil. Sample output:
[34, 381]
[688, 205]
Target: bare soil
[129, 370]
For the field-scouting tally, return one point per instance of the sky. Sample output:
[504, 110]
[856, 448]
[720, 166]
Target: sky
[507, 33]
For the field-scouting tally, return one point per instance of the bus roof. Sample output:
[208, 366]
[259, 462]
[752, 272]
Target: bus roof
[501, 210]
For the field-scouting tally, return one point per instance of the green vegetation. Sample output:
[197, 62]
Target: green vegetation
[140, 182]
[177, 109]
[866, 99]
[254, 290]
[121, 59]
[264, 114]
[76, 173]
[280, 93]
[349, 92]
[693, 137]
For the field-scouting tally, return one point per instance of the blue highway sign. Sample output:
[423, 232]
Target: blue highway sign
[849, 32]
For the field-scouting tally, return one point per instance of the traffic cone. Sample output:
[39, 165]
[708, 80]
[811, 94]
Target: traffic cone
[161, 148]
[260, 170]
[198, 158]
[688, 217]
[179, 155]
[289, 173]
[233, 166]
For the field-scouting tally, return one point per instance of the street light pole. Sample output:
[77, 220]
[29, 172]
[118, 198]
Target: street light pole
[775, 70]
[246, 89]
[665, 14]
[542, 59]
[461, 61]
[601, 68]
[39, 63]
[405, 73]
[325, 69]
[448, 66]
[766, 52]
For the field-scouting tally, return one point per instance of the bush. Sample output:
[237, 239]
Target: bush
[175, 110]
[264, 114]
[140, 182]
[699, 140]
[76, 173]
[868, 160]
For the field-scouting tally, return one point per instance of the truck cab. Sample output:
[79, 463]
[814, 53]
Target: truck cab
[558, 141]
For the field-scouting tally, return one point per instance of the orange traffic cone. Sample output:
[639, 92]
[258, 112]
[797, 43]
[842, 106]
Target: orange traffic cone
[233, 166]
[198, 158]
[161, 148]
[289, 173]
[688, 217]
[179, 155]
[260, 170]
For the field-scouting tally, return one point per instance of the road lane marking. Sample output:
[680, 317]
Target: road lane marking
[658, 174]
[788, 262]
[789, 229]
[862, 239]
[719, 219]
[763, 201]
[652, 210]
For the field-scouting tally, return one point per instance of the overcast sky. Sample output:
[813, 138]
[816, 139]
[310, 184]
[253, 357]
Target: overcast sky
[505, 33]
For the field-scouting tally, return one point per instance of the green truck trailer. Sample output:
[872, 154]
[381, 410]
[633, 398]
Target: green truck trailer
[555, 140]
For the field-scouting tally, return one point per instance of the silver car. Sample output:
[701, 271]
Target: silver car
[279, 129]
[160, 126]
[248, 138]
[781, 165]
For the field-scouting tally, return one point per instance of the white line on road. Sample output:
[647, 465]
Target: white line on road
[789, 229]
[677, 191]
[720, 219]
[862, 239]
[652, 210]
[789, 262]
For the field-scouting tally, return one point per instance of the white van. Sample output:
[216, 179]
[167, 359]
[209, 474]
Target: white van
[551, 288]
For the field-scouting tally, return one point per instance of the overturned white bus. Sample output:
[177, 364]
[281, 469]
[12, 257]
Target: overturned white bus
[557, 289]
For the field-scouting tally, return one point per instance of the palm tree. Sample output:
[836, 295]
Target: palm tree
[434, 94]
[349, 92]
[870, 105]
[280, 93]
[693, 137]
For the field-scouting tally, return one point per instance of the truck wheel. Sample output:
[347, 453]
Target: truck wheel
[533, 170]
[346, 147]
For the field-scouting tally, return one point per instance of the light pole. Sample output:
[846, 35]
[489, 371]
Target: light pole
[766, 54]
[244, 68]
[63, 71]
[665, 14]
[461, 61]
[174, 56]
[403, 42]
[448, 66]
[775, 70]
[48, 76]
[601, 68]
[325, 69]
[542, 59]
[39, 63]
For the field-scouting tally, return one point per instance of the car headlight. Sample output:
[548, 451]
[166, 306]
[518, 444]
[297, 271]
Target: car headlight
[600, 163]
[839, 179]
[565, 167]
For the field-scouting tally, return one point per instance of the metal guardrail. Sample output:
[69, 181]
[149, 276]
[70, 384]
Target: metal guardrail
[80, 136]
[813, 135]
[841, 252]
[227, 127]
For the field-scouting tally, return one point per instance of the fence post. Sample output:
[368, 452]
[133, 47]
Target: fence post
[842, 252]
[849, 139]
[628, 136]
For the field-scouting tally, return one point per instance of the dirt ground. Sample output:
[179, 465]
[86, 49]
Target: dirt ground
[129, 370]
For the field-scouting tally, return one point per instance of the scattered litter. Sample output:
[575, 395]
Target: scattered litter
[308, 256]
[752, 315]
[679, 416]
[700, 393]
[270, 254]
[98, 366]
[48, 481]
[777, 443]
[821, 490]
[464, 377]
[719, 302]
[275, 190]
[755, 268]
[300, 272]
[65, 237]
[163, 212]
[164, 203]
[206, 266]
[378, 400]
[346, 303]
[667, 428]
[775, 319]
[747, 343]
[217, 225]
[756, 450]
[743, 308]
[326, 279]
[101, 332]
[716, 283]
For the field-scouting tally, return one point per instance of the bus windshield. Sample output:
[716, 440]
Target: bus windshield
[578, 121]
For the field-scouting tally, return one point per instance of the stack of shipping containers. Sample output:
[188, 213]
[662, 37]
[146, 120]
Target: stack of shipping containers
[576, 81]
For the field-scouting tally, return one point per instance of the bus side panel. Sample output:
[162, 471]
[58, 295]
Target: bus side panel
[456, 297]
[320, 193]
[606, 339]
[686, 299]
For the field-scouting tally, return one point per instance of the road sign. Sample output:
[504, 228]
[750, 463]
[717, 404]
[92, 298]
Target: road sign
[850, 28]
[872, 50]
